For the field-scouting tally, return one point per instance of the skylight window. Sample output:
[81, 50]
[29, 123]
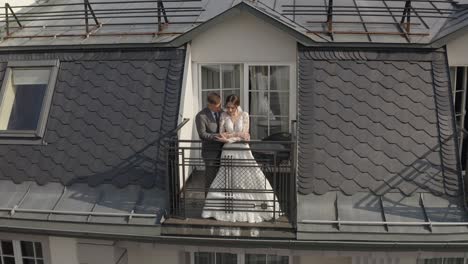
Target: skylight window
[26, 95]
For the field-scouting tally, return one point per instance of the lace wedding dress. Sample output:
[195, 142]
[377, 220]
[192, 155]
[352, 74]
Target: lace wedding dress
[246, 195]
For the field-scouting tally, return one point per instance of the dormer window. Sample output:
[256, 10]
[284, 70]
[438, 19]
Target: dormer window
[26, 95]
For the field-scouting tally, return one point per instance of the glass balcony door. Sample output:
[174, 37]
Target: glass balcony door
[269, 99]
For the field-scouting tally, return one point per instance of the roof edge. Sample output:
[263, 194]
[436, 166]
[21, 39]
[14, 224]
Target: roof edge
[455, 31]
[88, 47]
[233, 12]
[444, 40]
[152, 234]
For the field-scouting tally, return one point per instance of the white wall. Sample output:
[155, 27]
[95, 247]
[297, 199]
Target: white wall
[146, 253]
[244, 38]
[187, 110]
[323, 260]
[186, 104]
[458, 51]
[99, 252]
[63, 250]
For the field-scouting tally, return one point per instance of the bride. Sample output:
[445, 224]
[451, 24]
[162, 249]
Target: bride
[245, 195]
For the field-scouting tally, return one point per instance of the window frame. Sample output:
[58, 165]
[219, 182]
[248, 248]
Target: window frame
[454, 77]
[240, 254]
[244, 83]
[292, 112]
[221, 81]
[38, 133]
[16, 240]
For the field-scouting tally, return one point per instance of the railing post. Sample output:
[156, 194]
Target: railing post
[292, 181]
[161, 13]
[294, 10]
[92, 13]
[159, 16]
[87, 7]
[407, 16]
[182, 166]
[170, 175]
[7, 22]
[227, 164]
[85, 2]
[8, 9]
[175, 175]
[275, 182]
[330, 17]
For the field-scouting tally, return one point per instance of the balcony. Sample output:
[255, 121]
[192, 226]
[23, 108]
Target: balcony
[234, 194]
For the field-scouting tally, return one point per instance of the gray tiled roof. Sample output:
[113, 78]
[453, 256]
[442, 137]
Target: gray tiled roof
[457, 22]
[377, 145]
[101, 160]
[109, 110]
[368, 122]
[171, 31]
[424, 31]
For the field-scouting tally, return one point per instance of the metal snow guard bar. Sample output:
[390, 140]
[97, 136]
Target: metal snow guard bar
[159, 11]
[401, 16]
[385, 223]
[459, 132]
[340, 222]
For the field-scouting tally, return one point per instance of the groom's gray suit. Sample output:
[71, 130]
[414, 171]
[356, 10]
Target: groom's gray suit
[208, 129]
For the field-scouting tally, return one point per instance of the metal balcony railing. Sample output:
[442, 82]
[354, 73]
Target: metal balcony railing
[406, 18]
[271, 163]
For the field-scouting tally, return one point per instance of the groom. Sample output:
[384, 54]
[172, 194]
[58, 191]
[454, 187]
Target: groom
[207, 121]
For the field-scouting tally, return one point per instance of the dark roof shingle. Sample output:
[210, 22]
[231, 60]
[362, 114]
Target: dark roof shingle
[377, 159]
[373, 125]
[107, 114]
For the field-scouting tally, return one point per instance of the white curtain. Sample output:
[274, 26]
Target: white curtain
[259, 82]
[280, 82]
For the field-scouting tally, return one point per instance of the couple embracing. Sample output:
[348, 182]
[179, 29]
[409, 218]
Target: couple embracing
[237, 189]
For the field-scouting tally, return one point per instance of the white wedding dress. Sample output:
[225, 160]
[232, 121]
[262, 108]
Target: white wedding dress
[246, 195]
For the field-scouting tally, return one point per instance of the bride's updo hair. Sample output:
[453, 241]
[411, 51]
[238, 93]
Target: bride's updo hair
[234, 99]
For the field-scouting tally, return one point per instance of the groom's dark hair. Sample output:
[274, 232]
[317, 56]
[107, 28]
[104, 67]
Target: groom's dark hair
[213, 98]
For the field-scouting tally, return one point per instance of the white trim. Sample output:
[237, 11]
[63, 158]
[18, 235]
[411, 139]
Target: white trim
[244, 82]
[17, 251]
[200, 89]
[185, 81]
